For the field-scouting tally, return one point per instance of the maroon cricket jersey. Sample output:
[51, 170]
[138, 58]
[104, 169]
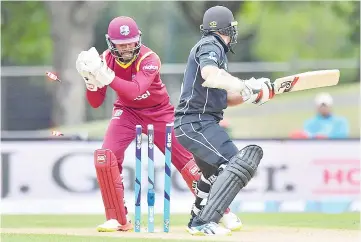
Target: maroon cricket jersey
[138, 84]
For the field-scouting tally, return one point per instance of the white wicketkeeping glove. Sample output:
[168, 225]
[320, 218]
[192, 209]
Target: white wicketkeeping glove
[91, 60]
[258, 91]
[104, 74]
[88, 62]
[98, 66]
[90, 82]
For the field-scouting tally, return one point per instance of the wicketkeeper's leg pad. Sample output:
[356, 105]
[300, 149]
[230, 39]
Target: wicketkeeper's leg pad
[111, 185]
[191, 174]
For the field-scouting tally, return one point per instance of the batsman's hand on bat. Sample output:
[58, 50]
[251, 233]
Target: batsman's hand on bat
[257, 91]
[85, 64]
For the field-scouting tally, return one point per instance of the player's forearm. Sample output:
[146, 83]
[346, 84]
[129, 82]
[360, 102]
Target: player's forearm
[215, 72]
[219, 78]
[95, 99]
[128, 89]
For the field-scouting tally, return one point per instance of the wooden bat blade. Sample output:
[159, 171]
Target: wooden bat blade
[306, 80]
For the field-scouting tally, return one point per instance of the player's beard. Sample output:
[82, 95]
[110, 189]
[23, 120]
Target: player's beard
[127, 55]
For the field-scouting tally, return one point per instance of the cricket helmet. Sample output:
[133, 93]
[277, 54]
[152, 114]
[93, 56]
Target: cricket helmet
[123, 30]
[220, 19]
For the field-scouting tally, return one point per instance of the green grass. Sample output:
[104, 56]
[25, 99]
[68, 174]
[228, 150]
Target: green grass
[345, 221]
[67, 238]
[70, 221]
[307, 220]
[313, 220]
[278, 125]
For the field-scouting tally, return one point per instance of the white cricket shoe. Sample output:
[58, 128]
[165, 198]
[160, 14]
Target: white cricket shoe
[231, 221]
[209, 229]
[113, 225]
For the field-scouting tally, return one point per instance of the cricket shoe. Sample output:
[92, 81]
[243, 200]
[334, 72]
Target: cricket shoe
[208, 229]
[113, 225]
[231, 221]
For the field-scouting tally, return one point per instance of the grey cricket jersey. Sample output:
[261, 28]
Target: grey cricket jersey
[198, 103]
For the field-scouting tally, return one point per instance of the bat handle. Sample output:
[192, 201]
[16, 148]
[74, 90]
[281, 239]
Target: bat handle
[272, 91]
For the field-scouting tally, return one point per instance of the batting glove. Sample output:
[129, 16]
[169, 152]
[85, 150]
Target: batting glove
[258, 91]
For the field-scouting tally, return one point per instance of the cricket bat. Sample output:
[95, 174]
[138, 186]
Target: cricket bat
[306, 80]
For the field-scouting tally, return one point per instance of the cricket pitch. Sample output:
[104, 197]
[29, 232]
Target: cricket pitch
[250, 234]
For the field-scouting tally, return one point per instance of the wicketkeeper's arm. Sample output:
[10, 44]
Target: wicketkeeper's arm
[147, 70]
[96, 99]
[144, 77]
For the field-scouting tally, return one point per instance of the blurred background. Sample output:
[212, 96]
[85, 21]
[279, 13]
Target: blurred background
[276, 39]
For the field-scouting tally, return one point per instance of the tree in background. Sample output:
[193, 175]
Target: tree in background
[25, 33]
[350, 11]
[313, 30]
[72, 32]
[307, 30]
[194, 10]
[33, 33]
[45, 33]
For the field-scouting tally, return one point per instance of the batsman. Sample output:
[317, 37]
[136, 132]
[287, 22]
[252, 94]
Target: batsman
[132, 70]
[207, 90]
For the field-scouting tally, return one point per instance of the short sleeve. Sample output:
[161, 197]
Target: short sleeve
[209, 54]
[149, 64]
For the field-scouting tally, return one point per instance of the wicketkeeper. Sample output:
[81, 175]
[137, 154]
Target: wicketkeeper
[132, 71]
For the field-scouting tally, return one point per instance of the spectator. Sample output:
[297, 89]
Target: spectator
[325, 124]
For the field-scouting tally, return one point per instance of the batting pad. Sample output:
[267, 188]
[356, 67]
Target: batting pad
[111, 185]
[231, 180]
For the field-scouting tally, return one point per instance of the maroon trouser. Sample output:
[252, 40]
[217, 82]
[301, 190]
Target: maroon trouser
[120, 133]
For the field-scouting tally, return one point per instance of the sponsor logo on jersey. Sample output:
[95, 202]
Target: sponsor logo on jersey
[150, 67]
[212, 56]
[143, 96]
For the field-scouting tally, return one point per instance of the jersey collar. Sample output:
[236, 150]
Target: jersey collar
[125, 65]
[226, 48]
